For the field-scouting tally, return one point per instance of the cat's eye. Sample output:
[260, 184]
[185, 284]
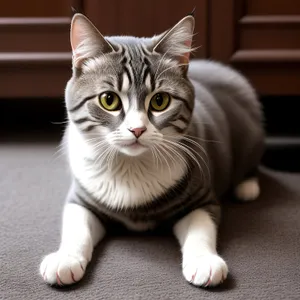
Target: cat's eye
[110, 101]
[160, 101]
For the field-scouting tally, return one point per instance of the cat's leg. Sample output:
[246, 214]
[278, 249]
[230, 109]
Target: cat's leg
[197, 234]
[81, 231]
[248, 190]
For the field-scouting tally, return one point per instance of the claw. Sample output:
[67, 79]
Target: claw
[193, 277]
[44, 274]
[81, 267]
[59, 282]
[72, 275]
[209, 279]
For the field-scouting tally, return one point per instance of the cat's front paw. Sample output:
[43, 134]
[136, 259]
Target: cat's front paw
[62, 269]
[205, 271]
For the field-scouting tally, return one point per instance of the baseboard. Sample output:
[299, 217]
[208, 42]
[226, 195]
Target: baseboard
[282, 153]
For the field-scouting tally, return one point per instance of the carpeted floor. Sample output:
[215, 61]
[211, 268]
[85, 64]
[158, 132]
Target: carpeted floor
[259, 240]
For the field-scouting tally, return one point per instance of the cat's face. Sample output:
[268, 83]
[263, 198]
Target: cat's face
[131, 94]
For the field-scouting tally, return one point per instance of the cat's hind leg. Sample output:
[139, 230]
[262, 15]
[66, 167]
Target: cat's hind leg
[81, 231]
[248, 190]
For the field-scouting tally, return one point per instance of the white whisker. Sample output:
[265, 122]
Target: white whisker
[186, 149]
[177, 65]
[159, 147]
[161, 60]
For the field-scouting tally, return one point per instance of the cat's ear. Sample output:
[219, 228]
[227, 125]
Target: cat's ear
[86, 40]
[177, 42]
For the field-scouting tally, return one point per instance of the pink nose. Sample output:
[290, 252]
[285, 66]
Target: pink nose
[137, 131]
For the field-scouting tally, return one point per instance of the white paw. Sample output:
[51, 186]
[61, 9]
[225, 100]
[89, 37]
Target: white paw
[207, 270]
[248, 190]
[62, 269]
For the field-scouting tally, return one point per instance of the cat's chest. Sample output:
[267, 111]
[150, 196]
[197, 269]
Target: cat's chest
[128, 184]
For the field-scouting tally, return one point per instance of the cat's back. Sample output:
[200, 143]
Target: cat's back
[227, 110]
[228, 87]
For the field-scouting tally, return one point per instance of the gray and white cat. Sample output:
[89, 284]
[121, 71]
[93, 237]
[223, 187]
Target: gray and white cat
[153, 140]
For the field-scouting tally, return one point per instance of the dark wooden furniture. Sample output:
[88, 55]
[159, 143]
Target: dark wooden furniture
[261, 38]
[34, 48]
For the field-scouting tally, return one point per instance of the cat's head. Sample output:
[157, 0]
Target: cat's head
[131, 93]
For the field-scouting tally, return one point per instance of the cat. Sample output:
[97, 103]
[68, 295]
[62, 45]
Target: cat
[154, 139]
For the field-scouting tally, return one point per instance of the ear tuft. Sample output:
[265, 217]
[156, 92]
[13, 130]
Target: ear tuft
[177, 42]
[86, 40]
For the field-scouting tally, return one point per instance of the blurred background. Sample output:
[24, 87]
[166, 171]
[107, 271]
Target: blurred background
[261, 38]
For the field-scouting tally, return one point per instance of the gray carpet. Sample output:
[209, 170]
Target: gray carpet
[259, 240]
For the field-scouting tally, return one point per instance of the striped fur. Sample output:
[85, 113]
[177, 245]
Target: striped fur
[191, 153]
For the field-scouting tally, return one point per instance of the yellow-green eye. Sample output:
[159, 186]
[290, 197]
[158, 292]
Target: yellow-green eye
[110, 101]
[160, 101]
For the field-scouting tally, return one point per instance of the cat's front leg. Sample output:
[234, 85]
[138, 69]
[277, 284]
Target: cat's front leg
[81, 231]
[201, 264]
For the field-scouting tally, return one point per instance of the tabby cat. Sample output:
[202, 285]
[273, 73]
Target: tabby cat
[154, 140]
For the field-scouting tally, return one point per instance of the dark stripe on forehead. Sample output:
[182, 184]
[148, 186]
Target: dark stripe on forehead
[146, 61]
[152, 81]
[124, 60]
[120, 81]
[145, 50]
[145, 73]
[126, 70]
[108, 83]
[81, 103]
[122, 50]
[139, 52]
[135, 75]
[158, 83]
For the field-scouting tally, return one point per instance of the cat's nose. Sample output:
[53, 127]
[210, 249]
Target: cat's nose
[137, 131]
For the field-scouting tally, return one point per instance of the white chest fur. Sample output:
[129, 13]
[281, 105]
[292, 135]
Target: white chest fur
[130, 182]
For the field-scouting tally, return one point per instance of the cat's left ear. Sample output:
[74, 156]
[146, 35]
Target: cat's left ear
[177, 42]
[86, 40]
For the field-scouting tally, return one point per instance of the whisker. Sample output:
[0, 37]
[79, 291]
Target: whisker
[178, 154]
[186, 150]
[159, 158]
[170, 148]
[194, 137]
[154, 156]
[160, 61]
[59, 123]
[178, 65]
[202, 159]
[159, 147]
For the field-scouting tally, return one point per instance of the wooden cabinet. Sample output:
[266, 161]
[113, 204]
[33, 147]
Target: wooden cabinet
[34, 48]
[262, 39]
[146, 18]
[259, 37]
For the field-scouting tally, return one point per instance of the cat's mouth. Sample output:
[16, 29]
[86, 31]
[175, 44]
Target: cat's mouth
[136, 144]
[133, 149]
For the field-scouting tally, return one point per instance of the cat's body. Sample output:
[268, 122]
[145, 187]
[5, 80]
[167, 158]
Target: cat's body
[151, 144]
[139, 191]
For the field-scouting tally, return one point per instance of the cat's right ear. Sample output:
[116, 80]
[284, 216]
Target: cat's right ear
[86, 40]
